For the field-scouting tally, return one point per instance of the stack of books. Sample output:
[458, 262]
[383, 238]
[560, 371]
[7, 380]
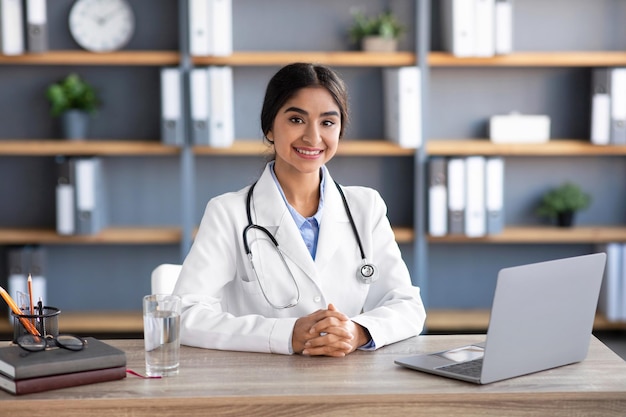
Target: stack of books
[23, 372]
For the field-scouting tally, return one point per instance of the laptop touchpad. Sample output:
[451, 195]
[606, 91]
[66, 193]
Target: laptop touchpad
[463, 354]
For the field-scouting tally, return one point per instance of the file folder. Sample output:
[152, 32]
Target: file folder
[494, 199]
[11, 27]
[17, 279]
[65, 192]
[222, 112]
[503, 27]
[199, 106]
[437, 197]
[89, 195]
[221, 21]
[600, 107]
[199, 28]
[618, 106]
[459, 32]
[402, 100]
[37, 272]
[456, 196]
[475, 213]
[171, 106]
[484, 23]
[36, 26]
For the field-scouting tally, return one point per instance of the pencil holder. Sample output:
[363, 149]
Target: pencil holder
[47, 323]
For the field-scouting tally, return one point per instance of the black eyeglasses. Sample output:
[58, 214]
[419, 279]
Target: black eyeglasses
[34, 343]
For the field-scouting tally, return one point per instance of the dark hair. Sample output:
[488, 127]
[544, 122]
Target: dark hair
[293, 77]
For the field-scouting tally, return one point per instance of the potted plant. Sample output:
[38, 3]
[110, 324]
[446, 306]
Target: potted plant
[378, 33]
[72, 99]
[562, 203]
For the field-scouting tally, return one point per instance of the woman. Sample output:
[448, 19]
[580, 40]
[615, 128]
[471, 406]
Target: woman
[315, 294]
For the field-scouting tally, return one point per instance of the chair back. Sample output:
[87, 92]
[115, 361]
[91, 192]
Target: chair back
[164, 277]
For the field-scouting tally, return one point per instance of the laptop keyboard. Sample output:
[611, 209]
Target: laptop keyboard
[469, 368]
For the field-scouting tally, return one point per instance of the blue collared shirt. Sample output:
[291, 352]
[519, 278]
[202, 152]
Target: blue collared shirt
[309, 226]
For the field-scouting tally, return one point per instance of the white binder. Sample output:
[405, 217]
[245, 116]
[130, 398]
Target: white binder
[618, 106]
[437, 197]
[402, 100]
[37, 272]
[503, 27]
[494, 194]
[65, 212]
[90, 204]
[222, 112]
[609, 302]
[456, 196]
[600, 107]
[459, 32]
[484, 24]
[475, 213]
[17, 265]
[36, 26]
[171, 106]
[199, 105]
[221, 21]
[11, 27]
[199, 28]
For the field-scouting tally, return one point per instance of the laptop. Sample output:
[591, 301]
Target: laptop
[541, 317]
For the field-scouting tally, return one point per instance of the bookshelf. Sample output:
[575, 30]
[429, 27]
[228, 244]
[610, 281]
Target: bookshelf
[133, 146]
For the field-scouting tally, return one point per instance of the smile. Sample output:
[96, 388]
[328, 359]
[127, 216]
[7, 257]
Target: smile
[307, 152]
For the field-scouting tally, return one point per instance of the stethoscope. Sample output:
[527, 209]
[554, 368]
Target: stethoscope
[366, 273]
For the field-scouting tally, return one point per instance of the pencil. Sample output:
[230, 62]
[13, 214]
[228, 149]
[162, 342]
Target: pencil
[30, 295]
[16, 310]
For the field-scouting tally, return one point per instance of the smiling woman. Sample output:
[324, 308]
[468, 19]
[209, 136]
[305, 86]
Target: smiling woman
[272, 267]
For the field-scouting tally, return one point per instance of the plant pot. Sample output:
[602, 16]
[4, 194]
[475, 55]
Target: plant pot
[379, 44]
[74, 124]
[565, 219]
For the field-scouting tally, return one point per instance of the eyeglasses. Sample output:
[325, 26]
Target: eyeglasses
[34, 343]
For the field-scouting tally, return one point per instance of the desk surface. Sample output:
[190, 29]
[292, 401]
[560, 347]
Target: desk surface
[220, 383]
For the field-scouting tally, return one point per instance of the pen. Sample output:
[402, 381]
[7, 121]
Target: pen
[16, 310]
[30, 295]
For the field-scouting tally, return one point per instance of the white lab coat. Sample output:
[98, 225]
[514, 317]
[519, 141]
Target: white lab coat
[223, 306]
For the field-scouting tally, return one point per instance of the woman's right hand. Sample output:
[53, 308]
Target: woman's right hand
[329, 319]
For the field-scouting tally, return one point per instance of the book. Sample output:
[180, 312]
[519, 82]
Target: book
[17, 363]
[52, 382]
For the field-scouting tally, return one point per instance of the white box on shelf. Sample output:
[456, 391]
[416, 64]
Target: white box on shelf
[519, 128]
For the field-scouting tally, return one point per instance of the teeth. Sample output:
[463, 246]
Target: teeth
[305, 152]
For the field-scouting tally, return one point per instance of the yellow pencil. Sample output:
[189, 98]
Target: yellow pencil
[13, 306]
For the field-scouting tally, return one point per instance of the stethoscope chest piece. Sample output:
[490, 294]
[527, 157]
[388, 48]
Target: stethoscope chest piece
[367, 273]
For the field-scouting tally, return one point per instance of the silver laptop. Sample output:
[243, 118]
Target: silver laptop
[542, 317]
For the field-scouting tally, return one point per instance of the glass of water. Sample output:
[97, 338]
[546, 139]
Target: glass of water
[161, 333]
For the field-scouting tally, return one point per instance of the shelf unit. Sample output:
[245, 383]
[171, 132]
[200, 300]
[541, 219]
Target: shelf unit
[429, 61]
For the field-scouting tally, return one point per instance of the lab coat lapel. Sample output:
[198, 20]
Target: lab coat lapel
[333, 230]
[271, 212]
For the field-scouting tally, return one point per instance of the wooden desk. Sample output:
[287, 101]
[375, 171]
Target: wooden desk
[214, 383]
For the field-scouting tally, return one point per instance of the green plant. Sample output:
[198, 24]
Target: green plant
[385, 25]
[72, 92]
[567, 197]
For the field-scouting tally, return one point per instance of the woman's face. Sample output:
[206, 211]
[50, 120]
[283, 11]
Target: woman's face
[306, 132]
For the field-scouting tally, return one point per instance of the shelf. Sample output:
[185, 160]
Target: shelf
[533, 59]
[113, 235]
[477, 320]
[333, 58]
[255, 147]
[560, 147]
[122, 236]
[89, 323]
[544, 234]
[46, 147]
[79, 57]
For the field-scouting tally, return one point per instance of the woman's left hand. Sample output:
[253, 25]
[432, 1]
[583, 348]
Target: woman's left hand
[333, 338]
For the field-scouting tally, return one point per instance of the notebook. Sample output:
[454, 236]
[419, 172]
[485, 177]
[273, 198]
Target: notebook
[541, 317]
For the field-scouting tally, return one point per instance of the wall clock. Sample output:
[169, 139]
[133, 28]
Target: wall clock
[102, 25]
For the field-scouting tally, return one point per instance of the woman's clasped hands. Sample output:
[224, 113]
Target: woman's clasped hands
[327, 332]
